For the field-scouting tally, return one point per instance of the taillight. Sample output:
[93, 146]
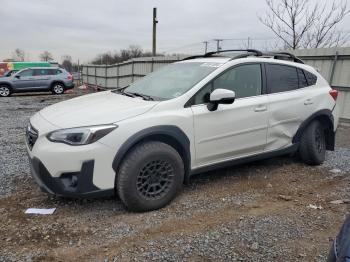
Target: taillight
[70, 77]
[334, 94]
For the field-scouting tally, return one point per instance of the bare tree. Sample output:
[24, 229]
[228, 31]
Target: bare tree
[299, 23]
[46, 56]
[18, 55]
[117, 57]
[67, 63]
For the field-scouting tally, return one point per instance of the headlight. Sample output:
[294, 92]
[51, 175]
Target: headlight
[80, 135]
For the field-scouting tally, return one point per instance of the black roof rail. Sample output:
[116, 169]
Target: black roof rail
[257, 52]
[209, 54]
[277, 55]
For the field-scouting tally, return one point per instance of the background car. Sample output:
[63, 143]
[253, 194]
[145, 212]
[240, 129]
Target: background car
[53, 79]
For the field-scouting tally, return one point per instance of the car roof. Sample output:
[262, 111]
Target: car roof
[43, 67]
[256, 59]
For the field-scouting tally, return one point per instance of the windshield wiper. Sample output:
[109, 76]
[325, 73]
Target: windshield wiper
[145, 97]
[122, 92]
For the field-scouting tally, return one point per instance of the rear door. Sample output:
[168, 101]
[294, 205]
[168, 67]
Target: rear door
[24, 79]
[290, 103]
[42, 78]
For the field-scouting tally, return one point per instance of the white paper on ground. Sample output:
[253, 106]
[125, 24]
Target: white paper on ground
[42, 211]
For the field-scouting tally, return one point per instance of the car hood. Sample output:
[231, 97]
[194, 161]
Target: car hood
[95, 109]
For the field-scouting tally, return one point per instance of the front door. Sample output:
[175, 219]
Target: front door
[24, 79]
[235, 130]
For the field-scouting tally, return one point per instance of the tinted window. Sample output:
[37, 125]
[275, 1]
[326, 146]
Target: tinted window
[28, 72]
[41, 72]
[311, 78]
[281, 78]
[245, 80]
[54, 71]
[302, 79]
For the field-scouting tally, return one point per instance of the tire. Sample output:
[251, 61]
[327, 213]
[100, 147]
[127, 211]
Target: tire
[5, 90]
[139, 184]
[312, 148]
[57, 88]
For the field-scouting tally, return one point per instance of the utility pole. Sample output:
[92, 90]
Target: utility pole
[206, 46]
[154, 39]
[218, 48]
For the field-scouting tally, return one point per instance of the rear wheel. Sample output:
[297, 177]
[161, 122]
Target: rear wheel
[5, 90]
[57, 88]
[150, 176]
[313, 144]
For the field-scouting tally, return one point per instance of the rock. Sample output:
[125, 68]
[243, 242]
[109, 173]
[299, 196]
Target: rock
[340, 201]
[285, 198]
[335, 171]
[255, 246]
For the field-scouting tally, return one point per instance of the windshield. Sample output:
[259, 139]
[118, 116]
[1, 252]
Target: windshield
[173, 80]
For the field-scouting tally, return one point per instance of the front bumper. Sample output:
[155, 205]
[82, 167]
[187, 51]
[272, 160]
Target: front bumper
[69, 85]
[72, 171]
[74, 184]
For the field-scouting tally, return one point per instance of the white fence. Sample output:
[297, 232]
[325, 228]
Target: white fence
[120, 75]
[333, 63]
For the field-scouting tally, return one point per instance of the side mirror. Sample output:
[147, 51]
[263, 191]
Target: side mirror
[220, 96]
[18, 76]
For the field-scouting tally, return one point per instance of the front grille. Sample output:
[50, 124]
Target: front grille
[31, 135]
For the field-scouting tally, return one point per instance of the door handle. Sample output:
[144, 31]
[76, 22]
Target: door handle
[308, 102]
[260, 108]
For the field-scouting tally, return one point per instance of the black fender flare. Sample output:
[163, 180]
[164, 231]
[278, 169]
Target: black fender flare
[169, 134]
[326, 117]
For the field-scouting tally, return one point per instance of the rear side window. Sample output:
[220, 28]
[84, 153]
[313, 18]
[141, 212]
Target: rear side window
[281, 78]
[41, 72]
[302, 79]
[54, 71]
[311, 78]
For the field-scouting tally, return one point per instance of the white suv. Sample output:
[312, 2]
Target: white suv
[143, 142]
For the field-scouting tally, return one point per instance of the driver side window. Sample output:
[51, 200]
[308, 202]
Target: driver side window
[28, 72]
[244, 80]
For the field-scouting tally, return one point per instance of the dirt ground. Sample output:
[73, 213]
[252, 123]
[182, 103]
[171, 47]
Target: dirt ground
[254, 212]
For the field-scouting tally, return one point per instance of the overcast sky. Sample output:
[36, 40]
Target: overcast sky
[85, 28]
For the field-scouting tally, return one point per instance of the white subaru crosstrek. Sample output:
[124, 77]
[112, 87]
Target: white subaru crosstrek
[143, 142]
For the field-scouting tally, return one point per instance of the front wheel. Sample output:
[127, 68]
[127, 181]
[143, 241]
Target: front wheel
[5, 90]
[58, 89]
[150, 176]
[313, 144]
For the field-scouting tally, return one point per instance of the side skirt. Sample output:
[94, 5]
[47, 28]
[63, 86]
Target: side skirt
[291, 149]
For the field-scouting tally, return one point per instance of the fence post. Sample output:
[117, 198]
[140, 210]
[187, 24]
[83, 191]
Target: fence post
[333, 67]
[106, 76]
[95, 76]
[152, 64]
[118, 76]
[132, 71]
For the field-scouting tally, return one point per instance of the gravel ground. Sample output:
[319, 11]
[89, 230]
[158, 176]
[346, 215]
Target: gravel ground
[254, 212]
